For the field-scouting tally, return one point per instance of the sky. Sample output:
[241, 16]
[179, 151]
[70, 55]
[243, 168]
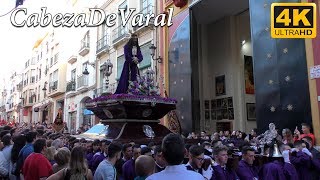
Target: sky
[16, 43]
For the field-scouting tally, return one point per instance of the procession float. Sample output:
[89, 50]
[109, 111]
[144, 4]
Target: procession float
[134, 111]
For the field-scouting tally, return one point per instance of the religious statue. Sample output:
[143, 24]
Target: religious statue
[269, 136]
[58, 124]
[58, 119]
[130, 71]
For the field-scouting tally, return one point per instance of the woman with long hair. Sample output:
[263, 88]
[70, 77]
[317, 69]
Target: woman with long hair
[62, 158]
[77, 169]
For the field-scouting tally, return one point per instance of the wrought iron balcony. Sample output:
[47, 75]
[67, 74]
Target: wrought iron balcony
[119, 33]
[71, 86]
[82, 82]
[85, 46]
[53, 86]
[145, 10]
[104, 91]
[102, 45]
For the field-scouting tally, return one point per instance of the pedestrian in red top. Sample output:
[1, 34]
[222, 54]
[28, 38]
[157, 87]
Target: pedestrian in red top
[306, 132]
[37, 166]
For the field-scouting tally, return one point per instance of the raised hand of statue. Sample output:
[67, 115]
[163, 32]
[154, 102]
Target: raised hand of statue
[135, 60]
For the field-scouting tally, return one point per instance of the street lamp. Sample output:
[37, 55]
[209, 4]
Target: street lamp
[153, 52]
[45, 87]
[106, 68]
[86, 72]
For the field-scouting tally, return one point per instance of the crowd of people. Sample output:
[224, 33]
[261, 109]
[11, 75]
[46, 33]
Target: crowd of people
[36, 152]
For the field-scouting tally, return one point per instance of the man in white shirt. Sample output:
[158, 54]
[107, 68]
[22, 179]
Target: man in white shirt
[173, 149]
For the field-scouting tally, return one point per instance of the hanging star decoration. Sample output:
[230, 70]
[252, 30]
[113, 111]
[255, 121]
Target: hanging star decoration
[265, 5]
[269, 55]
[290, 107]
[285, 50]
[272, 109]
[270, 81]
[266, 29]
[287, 78]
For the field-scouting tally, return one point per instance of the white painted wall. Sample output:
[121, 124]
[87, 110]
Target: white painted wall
[243, 24]
[223, 54]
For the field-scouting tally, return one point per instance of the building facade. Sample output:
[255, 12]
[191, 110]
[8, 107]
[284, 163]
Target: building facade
[219, 56]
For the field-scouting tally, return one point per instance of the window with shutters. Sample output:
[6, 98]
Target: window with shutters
[120, 62]
[122, 28]
[145, 51]
[146, 6]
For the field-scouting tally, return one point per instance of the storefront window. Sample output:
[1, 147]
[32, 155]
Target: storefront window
[86, 117]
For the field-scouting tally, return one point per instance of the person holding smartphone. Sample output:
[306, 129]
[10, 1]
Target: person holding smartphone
[306, 130]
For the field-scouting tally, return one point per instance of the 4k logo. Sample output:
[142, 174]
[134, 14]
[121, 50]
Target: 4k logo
[293, 20]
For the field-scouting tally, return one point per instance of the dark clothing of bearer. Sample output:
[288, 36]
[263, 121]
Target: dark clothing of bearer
[246, 171]
[277, 170]
[302, 163]
[223, 173]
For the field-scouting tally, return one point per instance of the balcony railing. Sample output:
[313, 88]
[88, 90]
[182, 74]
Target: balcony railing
[85, 43]
[145, 10]
[119, 33]
[103, 90]
[85, 46]
[82, 81]
[53, 86]
[102, 44]
[71, 86]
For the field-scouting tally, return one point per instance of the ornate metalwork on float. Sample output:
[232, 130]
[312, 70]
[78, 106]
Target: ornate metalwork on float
[270, 138]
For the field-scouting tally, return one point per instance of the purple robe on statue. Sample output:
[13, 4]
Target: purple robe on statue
[246, 171]
[128, 67]
[220, 173]
[128, 170]
[302, 163]
[278, 171]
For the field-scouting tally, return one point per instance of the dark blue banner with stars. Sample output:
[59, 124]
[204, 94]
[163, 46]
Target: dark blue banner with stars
[280, 69]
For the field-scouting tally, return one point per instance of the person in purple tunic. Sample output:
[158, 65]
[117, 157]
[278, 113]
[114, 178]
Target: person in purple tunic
[130, 71]
[100, 155]
[220, 170]
[96, 144]
[302, 159]
[245, 169]
[315, 167]
[128, 169]
[279, 168]
[89, 151]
